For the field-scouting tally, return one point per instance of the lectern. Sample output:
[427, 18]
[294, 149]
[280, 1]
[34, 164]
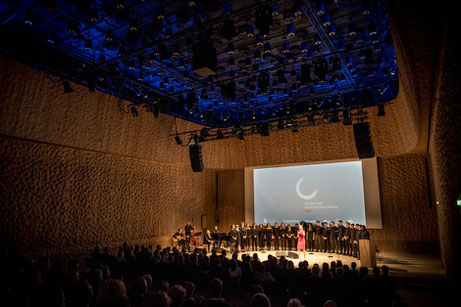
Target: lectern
[367, 253]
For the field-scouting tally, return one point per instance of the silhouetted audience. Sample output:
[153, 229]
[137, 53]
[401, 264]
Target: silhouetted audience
[142, 277]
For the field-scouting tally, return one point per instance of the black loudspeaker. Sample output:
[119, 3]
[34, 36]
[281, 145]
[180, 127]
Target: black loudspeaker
[279, 254]
[195, 153]
[363, 141]
[292, 255]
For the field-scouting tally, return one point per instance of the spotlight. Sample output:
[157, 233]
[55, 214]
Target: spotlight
[310, 54]
[341, 45]
[168, 32]
[291, 30]
[109, 35]
[275, 10]
[247, 62]
[351, 30]
[317, 40]
[88, 45]
[67, 87]
[120, 4]
[230, 49]
[231, 63]
[29, 20]
[191, 3]
[52, 38]
[320, 8]
[297, 8]
[178, 140]
[134, 25]
[250, 30]
[257, 55]
[381, 111]
[280, 125]
[50, 5]
[332, 30]
[365, 8]
[326, 19]
[286, 47]
[94, 15]
[259, 40]
[161, 13]
[267, 48]
[140, 76]
[304, 47]
[372, 29]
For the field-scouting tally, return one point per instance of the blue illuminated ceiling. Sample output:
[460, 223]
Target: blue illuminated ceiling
[275, 59]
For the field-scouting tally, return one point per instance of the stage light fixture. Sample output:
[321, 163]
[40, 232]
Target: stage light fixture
[109, 35]
[88, 45]
[381, 111]
[275, 10]
[50, 5]
[168, 32]
[297, 8]
[219, 133]
[320, 8]
[94, 15]
[120, 4]
[366, 8]
[29, 19]
[286, 47]
[291, 30]
[230, 49]
[52, 38]
[372, 29]
[310, 54]
[304, 47]
[140, 76]
[250, 30]
[317, 40]
[178, 140]
[231, 63]
[280, 124]
[67, 87]
[332, 30]
[267, 48]
[347, 120]
[257, 55]
[247, 62]
[259, 40]
[133, 25]
[191, 3]
[351, 30]
[161, 13]
[326, 19]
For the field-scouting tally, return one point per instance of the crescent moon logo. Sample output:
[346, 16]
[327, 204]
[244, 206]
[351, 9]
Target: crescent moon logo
[301, 194]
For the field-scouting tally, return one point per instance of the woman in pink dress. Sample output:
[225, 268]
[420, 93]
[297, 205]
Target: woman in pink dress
[302, 240]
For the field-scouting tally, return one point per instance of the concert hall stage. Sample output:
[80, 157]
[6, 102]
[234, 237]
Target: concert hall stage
[400, 264]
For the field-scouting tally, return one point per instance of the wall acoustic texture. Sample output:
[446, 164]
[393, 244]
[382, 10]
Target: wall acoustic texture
[58, 200]
[445, 155]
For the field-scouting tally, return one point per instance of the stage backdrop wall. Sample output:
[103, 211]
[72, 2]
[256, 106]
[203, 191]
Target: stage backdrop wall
[408, 221]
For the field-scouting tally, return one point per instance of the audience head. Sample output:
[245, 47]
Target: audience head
[215, 286]
[112, 291]
[329, 303]
[294, 302]
[177, 294]
[190, 289]
[385, 269]
[260, 300]
[157, 299]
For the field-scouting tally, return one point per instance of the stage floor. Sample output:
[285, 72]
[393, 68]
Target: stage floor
[400, 264]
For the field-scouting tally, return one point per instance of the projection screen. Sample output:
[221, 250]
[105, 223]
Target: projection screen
[346, 190]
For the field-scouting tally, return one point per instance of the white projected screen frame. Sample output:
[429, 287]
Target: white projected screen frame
[370, 187]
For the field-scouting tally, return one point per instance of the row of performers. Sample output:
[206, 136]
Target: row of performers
[330, 238]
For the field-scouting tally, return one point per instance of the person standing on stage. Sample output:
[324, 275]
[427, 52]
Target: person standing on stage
[352, 239]
[207, 239]
[364, 234]
[295, 235]
[216, 237]
[340, 238]
[269, 236]
[325, 237]
[254, 237]
[356, 241]
[333, 237]
[243, 237]
[289, 237]
[261, 237]
[248, 238]
[277, 237]
[188, 230]
[347, 239]
[318, 236]
[310, 237]
[283, 233]
[239, 237]
[233, 238]
[301, 234]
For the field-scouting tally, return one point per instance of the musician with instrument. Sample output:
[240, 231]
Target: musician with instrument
[178, 237]
[216, 235]
[207, 239]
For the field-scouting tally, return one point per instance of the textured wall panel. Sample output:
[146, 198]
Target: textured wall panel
[58, 200]
[231, 199]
